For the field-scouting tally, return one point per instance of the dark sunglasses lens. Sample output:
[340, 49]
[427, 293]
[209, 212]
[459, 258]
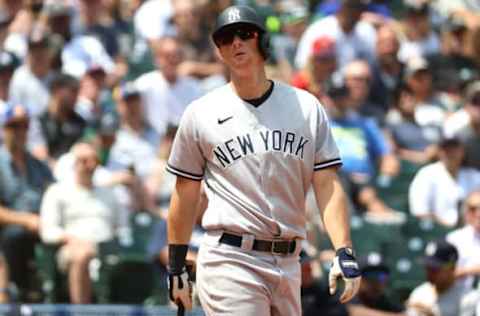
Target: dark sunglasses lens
[224, 38]
[476, 100]
[244, 34]
[227, 36]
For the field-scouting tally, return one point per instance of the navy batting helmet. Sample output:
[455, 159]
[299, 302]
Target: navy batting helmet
[240, 14]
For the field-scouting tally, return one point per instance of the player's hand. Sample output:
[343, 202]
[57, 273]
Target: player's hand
[345, 266]
[180, 289]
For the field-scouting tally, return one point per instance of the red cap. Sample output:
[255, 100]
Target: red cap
[323, 46]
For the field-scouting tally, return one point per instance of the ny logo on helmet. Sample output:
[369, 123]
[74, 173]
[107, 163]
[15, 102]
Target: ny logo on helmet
[233, 15]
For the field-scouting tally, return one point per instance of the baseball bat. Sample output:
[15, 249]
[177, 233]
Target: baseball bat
[180, 310]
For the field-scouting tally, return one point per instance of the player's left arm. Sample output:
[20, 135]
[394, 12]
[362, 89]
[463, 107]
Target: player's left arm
[332, 204]
[181, 219]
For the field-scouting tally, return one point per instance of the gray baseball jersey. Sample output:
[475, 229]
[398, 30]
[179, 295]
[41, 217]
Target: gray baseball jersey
[257, 162]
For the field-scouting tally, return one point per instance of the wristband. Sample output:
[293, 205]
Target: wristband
[348, 250]
[177, 255]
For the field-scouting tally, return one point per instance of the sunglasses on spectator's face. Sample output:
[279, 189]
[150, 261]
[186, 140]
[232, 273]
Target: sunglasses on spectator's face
[17, 125]
[476, 100]
[227, 36]
[473, 207]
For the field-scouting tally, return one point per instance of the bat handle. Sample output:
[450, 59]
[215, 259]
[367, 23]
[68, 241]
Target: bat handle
[180, 310]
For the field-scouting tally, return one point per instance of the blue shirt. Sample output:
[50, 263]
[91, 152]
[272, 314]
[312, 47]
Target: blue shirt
[332, 6]
[360, 142]
[23, 192]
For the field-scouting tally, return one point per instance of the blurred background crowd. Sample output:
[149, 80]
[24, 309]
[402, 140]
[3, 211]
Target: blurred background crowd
[91, 92]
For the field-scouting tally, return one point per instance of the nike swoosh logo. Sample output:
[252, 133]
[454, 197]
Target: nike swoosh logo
[224, 120]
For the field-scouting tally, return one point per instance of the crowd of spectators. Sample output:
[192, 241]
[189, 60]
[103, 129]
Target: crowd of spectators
[91, 92]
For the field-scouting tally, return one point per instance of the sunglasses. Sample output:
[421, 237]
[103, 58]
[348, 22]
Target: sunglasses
[476, 100]
[17, 125]
[226, 37]
[473, 207]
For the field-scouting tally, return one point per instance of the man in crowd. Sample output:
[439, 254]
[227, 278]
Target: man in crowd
[78, 215]
[23, 180]
[440, 295]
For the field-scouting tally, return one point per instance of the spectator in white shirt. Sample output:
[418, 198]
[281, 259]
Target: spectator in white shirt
[467, 241]
[439, 188]
[165, 93]
[355, 39]
[78, 215]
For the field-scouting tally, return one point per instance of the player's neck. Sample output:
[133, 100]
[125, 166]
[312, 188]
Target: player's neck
[251, 87]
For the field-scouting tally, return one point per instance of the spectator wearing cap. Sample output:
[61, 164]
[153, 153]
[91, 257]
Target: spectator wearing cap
[439, 188]
[354, 38]
[387, 70]
[165, 93]
[23, 180]
[413, 138]
[466, 240]
[465, 124]
[94, 97]
[372, 297]
[441, 295]
[78, 216]
[30, 82]
[317, 74]
[136, 142]
[418, 37]
[60, 125]
[418, 77]
[452, 68]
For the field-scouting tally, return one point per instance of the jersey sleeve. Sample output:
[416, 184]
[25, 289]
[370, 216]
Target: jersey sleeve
[326, 150]
[186, 157]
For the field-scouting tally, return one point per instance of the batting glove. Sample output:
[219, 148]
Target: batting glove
[179, 277]
[180, 289]
[345, 266]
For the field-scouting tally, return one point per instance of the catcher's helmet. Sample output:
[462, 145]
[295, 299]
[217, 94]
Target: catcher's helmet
[240, 14]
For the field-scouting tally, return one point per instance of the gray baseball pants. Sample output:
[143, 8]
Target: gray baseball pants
[238, 281]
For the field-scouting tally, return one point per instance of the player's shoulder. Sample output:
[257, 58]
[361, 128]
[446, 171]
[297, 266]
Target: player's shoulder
[213, 98]
[304, 98]
[209, 103]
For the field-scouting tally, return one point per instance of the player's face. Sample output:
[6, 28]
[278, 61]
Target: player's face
[238, 45]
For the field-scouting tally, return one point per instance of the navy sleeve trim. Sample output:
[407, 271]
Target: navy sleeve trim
[184, 174]
[328, 163]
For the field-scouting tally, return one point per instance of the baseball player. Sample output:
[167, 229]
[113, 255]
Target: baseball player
[258, 145]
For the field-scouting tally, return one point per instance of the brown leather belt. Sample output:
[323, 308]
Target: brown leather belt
[282, 247]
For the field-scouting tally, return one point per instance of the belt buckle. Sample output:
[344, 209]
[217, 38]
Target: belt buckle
[280, 251]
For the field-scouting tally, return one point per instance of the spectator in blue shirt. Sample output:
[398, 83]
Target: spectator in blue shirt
[364, 150]
[23, 180]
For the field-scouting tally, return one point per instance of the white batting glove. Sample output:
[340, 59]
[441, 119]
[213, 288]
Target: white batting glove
[180, 289]
[345, 266]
